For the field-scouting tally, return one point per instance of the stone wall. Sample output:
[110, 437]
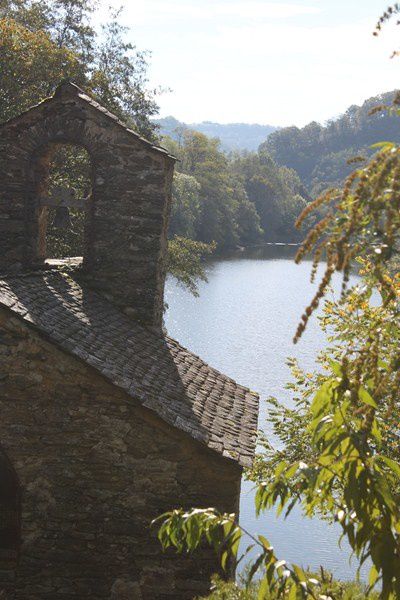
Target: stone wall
[95, 468]
[126, 228]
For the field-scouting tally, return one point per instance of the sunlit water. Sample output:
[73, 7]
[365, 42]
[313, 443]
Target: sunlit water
[243, 324]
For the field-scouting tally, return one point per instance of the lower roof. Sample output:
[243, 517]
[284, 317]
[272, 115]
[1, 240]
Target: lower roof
[152, 368]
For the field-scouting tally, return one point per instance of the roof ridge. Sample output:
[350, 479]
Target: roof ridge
[68, 89]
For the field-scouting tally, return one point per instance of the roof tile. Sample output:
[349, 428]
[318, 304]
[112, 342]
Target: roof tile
[154, 369]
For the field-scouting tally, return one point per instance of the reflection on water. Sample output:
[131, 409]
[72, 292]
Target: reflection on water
[243, 324]
[264, 252]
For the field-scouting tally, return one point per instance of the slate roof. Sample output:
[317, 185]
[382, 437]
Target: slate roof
[154, 369]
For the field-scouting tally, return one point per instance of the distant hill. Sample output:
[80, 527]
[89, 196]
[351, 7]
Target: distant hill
[233, 136]
[319, 153]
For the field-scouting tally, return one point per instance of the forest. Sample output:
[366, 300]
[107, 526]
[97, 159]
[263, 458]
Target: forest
[227, 199]
[257, 196]
[237, 199]
[320, 153]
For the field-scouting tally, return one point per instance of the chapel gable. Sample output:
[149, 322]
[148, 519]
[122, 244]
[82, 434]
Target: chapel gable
[126, 209]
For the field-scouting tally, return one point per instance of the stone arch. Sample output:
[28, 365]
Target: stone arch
[64, 121]
[38, 224]
[131, 195]
[42, 141]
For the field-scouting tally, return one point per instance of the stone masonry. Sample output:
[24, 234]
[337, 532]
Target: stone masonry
[126, 229]
[96, 468]
[106, 422]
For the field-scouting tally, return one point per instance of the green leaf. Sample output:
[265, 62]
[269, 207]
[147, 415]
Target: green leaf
[373, 576]
[224, 558]
[263, 590]
[292, 592]
[323, 397]
[392, 464]
[254, 567]
[265, 543]
[299, 573]
[336, 367]
[366, 397]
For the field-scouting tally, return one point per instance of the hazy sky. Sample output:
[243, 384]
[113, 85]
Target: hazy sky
[260, 61]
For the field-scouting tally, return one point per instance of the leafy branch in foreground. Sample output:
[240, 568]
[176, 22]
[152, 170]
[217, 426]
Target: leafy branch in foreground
[185, 261]
[187, 530]
[390, 12]
[329, 588]
[361, 221]
[347, 464]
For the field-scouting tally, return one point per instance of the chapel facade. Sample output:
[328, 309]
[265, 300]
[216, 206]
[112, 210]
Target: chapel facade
[106, 422]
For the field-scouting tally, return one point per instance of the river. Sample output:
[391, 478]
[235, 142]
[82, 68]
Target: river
[243, 324]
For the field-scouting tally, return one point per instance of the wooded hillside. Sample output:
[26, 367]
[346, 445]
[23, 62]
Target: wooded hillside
[319, 153]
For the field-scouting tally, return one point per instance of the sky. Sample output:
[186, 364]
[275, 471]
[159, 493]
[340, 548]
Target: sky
[263, 61]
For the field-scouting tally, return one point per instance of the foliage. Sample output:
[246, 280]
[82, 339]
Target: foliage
[185, 258]
[119, 78]
[24, 57]
[276, 193]
[44, 42]
[229, 590]
[257, 196]
[185, 530]
[319, 153]
[70, 167]
[186, 206]
[221, 213]
[240, 199]
[341, 453]
[347, 323]
[338, 590]
[361, 221]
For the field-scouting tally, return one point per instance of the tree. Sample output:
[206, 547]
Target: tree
[247, 219]
[244, 198]
[24, 57]
[185, 206]
[222, 213]
[185, 258]
[118, 78]
[47, 41]
[319, 153]
[274, 191]
[342, 454]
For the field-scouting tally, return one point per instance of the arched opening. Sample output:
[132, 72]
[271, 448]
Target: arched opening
[10, 513]
[63, 182]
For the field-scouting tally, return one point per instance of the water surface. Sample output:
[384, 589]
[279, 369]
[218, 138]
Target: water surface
[242, 324]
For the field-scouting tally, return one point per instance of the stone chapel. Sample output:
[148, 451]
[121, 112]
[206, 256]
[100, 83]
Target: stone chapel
[106, 422]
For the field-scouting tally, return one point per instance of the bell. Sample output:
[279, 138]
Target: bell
[62, 219]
